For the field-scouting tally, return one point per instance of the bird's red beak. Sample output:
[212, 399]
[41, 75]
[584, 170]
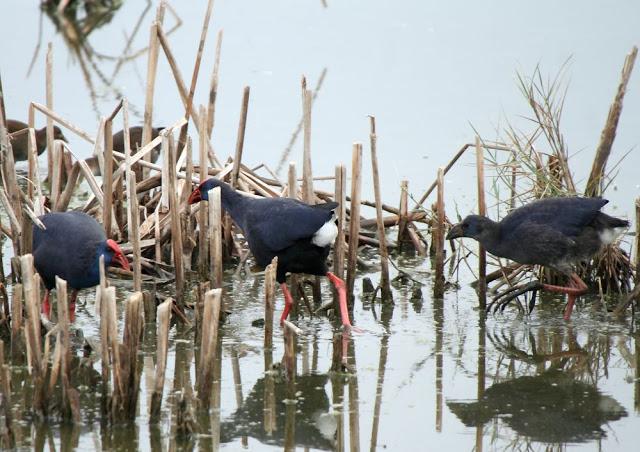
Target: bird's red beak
[195, 196]
[118, 256]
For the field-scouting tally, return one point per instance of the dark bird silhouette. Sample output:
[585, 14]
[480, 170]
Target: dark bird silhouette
[314, 424]
[553, 232]
[20, 141]
[135, 142]
[551, 407]
[70, 248]
[299, 234]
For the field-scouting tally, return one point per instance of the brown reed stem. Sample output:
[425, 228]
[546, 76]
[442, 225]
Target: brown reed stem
[269, 302]
[404, 211]
[438, 231]
[49, 99]
[289, 360]
[107, 178]
[482, 210]
[242, 126]
[354, 220]
[7, 440]
[203, 253]
[176, 227]
[152, 67]
[210, 324]
[134, 228]
[215, 237]
[384, 253]
[292, 187]
[213, 89]
[164, 321]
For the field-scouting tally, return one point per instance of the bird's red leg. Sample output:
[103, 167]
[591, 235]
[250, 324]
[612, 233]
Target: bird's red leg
[575, 288]
[342, 297]
[72, 306]
[288, 302]
[46, 307]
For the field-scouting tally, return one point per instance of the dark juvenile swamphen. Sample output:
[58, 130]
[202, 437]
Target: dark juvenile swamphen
[20, 144]
[135, 140]
[553, 232]
[70, 248]
[299, 234]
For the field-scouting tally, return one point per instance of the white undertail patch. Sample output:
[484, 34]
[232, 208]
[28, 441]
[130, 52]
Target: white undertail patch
[326, 235]
[609, 235]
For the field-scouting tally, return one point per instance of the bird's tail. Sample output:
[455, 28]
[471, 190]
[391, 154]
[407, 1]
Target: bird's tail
[609, 227]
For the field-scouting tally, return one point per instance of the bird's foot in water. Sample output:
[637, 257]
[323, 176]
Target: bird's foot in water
[348, 329]
[501, 301]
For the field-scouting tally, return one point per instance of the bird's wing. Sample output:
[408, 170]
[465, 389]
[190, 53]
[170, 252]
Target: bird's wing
[540, 244]
[566, 215]
[280, 222]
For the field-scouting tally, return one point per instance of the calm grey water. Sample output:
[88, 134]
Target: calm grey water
[427, 71]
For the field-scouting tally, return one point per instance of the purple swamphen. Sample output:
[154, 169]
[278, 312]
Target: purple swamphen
[299, 234]
[553, 232]
[70, 248]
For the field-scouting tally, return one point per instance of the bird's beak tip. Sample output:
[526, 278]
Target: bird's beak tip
[455, 232]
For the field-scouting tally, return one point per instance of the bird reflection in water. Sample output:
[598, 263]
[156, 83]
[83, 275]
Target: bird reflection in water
[560, 404]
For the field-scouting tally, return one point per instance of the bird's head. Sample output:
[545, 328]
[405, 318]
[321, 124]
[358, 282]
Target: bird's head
[58, 135]
[113, 256]
[473, 226]
[201, 193]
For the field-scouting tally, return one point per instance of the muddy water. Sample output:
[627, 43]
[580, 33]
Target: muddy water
[428, 373]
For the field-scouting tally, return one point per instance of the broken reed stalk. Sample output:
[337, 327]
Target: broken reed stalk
[289, 360]
[13, 201]
[164, 321]
[6, 422]
[203, 253]
[152, 67]
[404, 211]
[308, 195]
[385, 287]
[292, 187]
[49, 100]
[438, 232]
[210, 324]
[133, 324]
[341, 213]
[242, 127]
[70, 395]
[107, 178]
[17, 345]
[176, 227]
[354, 220]
[594, 184]
[106, 295]
[56, 173]
[133, 218]
[213, 90]
[482, 210]
[31, 287]
[215, 237]
[196, 71]
[269, 302]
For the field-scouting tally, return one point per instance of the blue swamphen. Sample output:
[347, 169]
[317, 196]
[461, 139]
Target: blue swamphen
[299, 234]
[554, 232]
[20, 144]
[70, 247]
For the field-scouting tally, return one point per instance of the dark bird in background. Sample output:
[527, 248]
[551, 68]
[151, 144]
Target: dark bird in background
[299, 234]
[553, 232]
[70, 248]
[135, 142]
[20, 143]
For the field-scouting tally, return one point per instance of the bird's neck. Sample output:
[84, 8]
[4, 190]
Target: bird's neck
[233, 203]
[490, 238]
